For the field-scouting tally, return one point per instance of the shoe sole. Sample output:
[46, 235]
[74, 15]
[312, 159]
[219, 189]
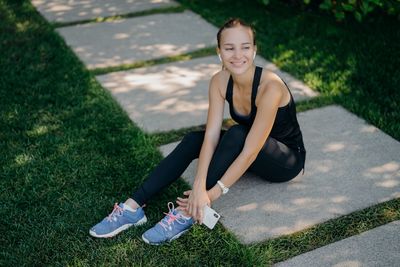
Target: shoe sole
[120, 229]
[168, 240]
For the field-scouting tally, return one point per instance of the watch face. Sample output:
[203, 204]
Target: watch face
[223, 187]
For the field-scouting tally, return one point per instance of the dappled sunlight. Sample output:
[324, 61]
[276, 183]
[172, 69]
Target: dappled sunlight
[305, 201]
[388, 183]
[154, 96]
[385, 168]
[38, 130]
[75, 10]
[163, 50]
[23, 159]
[165, 82]
[340, 199]
[22, 26]
[255, 230]
[174, 106]
[121, 36]
[321, 166]
[386, 175]
[335, 210]
[348, 263]
[274, 207]
[346, 170]
[126, 41]
[247, 207]
[368, 129]
[333, 147]
[376, 247]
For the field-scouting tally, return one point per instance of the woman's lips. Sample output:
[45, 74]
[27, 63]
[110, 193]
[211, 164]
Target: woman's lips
[238, 63]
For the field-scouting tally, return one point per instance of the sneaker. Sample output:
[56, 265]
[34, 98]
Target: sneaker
[171, 227]
[117, 221]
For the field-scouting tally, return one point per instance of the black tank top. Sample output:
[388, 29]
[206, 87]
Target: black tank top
[285, 129]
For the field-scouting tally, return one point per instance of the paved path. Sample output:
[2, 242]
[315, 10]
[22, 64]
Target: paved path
[341, 177]
[175, 95]
[124, 41]
[379, 247]
[78, 10]
[350, 164]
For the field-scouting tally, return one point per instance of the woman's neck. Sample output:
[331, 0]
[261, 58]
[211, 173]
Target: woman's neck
[245, 80]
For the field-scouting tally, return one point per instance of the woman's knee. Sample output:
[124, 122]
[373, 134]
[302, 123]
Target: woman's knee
[236, 135]
[193, 138]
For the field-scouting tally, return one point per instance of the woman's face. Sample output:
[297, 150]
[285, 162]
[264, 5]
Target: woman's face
[237, 49]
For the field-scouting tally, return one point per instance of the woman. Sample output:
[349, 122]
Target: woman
[266, 141]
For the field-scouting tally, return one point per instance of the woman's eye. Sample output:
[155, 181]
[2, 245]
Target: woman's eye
[228, 48]
[246, 48]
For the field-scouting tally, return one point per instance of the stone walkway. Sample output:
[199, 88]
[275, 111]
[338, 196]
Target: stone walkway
[375, 248]
[341, 176]
[350, 164]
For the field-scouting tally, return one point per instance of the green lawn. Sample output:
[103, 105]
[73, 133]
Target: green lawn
[68, 151]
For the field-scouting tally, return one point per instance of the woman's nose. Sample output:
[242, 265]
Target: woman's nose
[238, 53]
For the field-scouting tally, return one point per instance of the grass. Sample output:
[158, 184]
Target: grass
[356, 64]
[69, 151]
[164, 10]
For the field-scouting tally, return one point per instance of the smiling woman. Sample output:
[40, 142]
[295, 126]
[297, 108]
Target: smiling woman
[266, 141]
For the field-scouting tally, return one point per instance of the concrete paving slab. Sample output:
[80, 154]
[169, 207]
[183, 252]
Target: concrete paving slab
[376, 247]
[175, 95]
[113, 43]
[350, 165]
[77, 10]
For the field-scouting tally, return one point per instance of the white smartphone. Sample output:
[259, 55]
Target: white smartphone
[210, 217]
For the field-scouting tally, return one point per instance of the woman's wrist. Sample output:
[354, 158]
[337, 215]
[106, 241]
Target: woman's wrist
[199, 184]
[214, 193]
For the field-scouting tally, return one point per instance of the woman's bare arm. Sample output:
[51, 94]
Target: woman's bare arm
[212, 133]
[256, 138]
[199, 197]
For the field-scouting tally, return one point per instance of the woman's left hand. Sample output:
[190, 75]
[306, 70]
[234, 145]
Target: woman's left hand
[194, 204]
[198, 198]
[213, 194]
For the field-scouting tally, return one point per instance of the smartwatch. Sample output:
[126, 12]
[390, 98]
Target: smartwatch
[223, 187]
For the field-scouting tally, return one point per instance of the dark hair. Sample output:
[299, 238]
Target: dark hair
[233, 22]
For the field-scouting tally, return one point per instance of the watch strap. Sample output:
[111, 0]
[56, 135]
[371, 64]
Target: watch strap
[223, 187]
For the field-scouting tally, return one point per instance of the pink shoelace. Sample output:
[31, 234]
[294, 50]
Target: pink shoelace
[171, 217]
[117, 211]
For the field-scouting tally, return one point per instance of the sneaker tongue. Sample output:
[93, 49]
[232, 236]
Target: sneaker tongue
[181, 214]
[175, 211]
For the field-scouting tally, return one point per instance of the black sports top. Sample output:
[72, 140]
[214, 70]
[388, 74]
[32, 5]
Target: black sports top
[285, 129]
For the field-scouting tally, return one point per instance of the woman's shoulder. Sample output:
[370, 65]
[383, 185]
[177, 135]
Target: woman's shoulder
[271, 81]
[268, 76]
[220, 80]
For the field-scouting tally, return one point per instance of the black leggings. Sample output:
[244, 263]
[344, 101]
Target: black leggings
[276, 162]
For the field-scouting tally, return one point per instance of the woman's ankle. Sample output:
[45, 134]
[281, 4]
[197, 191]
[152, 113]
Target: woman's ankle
[132, 203]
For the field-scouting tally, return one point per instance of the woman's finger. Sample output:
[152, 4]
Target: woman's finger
[201, 216]
[193, 212]
[183, 199]
[186, 193]
[181, 204]
[190, 209]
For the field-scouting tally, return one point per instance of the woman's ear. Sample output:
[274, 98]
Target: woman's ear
[219, 54]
